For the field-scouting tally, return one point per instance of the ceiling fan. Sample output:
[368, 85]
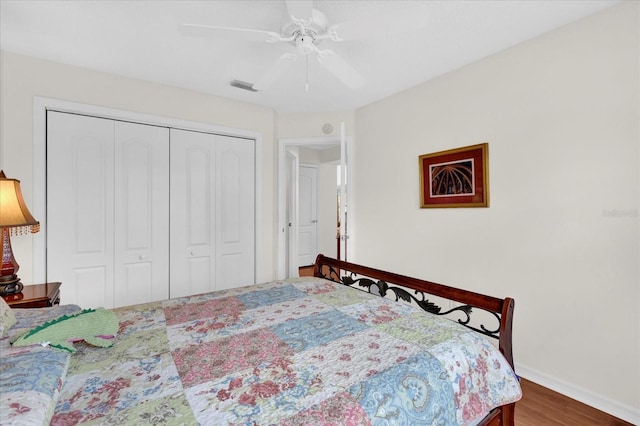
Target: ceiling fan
[305, 29]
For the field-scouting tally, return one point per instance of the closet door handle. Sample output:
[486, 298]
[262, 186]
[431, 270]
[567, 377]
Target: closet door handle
[193, 253]
[142, 257]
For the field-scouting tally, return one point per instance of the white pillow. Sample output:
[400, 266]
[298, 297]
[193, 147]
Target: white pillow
[7, 318]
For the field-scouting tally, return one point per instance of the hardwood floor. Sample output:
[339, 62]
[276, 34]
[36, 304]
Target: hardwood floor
[540, 406]
[306, 271]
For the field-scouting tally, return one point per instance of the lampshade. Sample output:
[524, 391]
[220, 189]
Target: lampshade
[14, 213]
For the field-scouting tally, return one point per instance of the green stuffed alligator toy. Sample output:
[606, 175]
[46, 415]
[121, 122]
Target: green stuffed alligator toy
[97, 327]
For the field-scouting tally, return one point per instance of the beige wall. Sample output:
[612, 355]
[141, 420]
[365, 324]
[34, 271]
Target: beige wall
[22, 78]
[561, 236]
[309, 125]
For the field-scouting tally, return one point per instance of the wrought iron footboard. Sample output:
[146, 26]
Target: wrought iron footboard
[382, 288]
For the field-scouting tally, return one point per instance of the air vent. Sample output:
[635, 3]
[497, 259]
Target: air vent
[243, 85]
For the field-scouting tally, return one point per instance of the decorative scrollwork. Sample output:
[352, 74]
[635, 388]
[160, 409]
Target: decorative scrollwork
[333, 275]
[381, 288]
[467, 310]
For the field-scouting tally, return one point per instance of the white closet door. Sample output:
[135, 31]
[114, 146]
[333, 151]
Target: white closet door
[141, 213]
[212, 212]
[193, 197]
[107, 210]
[80, 217]
[235, 212]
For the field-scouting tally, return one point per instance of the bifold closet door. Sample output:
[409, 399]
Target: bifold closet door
[212, 212]
[235, 212]
[141, 204]
[80, 207]
[107, 210]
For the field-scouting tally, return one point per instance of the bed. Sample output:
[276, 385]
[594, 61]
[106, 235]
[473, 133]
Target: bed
[352, 345]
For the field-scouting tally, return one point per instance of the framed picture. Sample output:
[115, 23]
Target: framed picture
[455, 178]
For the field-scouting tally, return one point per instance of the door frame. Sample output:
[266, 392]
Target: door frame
[40, 107]
[283, 146]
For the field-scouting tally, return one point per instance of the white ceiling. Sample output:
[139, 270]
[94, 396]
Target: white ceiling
[140, 39]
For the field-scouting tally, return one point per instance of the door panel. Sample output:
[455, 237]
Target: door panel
[141, 213]
[80, 237]
[192, 213]
[198, 185]
[198, 279]
[307, 215]
[235, 210]
[89, 287]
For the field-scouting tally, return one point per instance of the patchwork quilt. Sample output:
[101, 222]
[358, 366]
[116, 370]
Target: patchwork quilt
[293, 352]
[31, 377]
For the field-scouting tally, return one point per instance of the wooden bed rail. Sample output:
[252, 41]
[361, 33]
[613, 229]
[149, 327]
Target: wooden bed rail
[352, 274]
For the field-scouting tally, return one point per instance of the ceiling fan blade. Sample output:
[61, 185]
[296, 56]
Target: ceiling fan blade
[275, 71]
[300, 9]
[209, 31]
[405, 20]
[338, 67]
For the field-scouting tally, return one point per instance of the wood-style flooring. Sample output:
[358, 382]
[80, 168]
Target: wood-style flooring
[540, 406]
[306, 271]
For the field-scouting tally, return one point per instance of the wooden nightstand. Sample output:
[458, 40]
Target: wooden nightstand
[35, 296]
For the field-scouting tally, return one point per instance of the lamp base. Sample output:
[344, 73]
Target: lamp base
[11, 288]
[9, 281]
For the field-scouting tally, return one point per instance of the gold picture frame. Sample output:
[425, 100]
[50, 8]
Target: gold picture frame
[455, 178]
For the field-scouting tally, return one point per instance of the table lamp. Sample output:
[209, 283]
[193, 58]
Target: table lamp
[15, 219]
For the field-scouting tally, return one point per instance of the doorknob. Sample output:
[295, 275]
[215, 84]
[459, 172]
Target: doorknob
[314, 221]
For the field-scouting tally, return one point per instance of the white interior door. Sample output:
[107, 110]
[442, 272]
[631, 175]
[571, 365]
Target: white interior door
[80, 214]
[141, 205]
[307, 215]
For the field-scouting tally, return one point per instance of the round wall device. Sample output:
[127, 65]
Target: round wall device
[327, 128]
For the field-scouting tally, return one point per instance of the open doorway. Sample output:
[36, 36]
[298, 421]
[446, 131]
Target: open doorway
[313, 156]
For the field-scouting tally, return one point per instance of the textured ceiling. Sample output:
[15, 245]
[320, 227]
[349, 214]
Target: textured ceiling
[140, 39]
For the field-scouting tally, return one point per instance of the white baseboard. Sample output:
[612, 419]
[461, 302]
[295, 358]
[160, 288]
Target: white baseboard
[600, 402]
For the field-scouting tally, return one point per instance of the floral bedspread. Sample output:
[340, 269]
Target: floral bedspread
[293, 352]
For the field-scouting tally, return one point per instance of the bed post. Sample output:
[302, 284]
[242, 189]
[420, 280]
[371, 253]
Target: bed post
[506, 328]
[508, 414]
